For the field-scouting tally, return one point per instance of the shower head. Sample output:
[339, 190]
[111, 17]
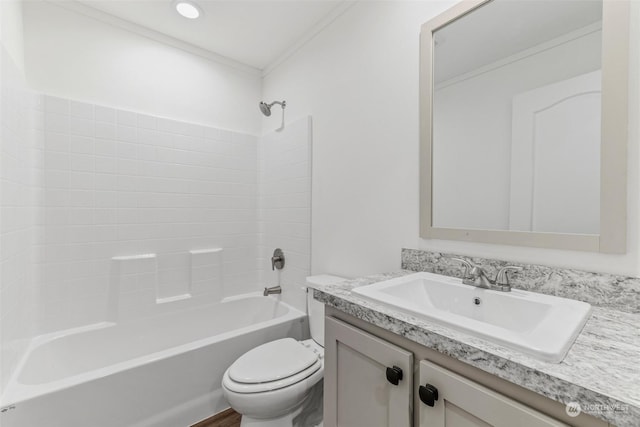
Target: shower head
[266, 108]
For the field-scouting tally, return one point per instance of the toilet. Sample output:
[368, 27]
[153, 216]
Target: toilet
[269, 384]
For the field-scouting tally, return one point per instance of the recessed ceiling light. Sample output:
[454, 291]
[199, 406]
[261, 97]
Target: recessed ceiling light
[188, 9]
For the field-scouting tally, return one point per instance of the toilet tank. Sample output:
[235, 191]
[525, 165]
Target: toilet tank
[315, 309]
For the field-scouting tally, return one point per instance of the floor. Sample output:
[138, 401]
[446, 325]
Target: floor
[228, 418]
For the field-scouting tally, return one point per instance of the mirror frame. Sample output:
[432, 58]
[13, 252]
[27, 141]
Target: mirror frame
[613, 145]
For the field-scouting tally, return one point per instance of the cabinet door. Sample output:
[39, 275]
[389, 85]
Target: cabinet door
[356, 389]
[464, 403]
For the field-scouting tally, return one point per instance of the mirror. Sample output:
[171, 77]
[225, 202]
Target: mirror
[523, 124]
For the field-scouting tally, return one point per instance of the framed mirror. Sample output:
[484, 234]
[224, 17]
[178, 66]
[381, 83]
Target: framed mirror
[523, 124]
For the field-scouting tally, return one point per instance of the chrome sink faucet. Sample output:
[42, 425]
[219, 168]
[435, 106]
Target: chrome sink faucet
[502, 279]
[474, 275]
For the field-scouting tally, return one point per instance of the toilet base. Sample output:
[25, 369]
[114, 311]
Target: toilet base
[268, 423]
[285, 420]
[309, 414]
[280, 422]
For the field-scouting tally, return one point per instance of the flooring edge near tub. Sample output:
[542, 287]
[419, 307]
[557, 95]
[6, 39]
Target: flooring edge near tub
[226, 418]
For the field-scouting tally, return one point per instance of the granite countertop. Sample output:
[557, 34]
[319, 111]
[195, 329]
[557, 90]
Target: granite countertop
[601, 371]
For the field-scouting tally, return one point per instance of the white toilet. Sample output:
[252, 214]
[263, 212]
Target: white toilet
[269, 384]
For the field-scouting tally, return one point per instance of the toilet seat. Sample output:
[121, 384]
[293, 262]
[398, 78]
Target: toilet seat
[272, 366]
[245, 388]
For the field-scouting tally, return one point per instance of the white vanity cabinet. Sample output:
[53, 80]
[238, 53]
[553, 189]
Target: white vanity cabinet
[464, 403]
[359, 371]
[369, 379]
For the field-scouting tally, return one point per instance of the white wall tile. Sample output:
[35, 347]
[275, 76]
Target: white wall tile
[56, 141]
[104, 216]
[81, 144]
[127, 118]
[56, 179]
[127, 133]
[117, 183]
[56, 160]
[105, 114]
[55, 122]
[81, 162]
[155, 138]
[284, 208]
[147, 122]
[21, 121]
[80, 109]
[81, 180]
[180, 128]
[81, 126]
[105, 130]
[105, 199]
[105, 181]
[105, 147]
[56, 105]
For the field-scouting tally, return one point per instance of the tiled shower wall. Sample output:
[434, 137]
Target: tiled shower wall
[18, 191]
[109, 215]
[156, 193]
[285, 208]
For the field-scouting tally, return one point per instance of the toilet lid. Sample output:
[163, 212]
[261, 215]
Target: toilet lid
[297, 380]
[272, 361]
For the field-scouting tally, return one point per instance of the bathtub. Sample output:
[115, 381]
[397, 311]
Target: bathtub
[163, 371]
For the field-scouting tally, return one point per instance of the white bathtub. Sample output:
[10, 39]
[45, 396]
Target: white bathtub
[163, 371]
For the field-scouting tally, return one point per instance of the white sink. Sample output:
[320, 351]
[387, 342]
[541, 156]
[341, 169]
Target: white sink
[542, 326]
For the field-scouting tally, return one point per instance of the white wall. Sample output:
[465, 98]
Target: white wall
[359, 80]
[71, 55]
[11, 31]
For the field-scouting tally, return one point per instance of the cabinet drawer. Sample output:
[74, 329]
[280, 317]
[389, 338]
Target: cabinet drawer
[464, 403]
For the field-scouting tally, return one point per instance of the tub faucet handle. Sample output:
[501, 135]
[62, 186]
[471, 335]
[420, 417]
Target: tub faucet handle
[277, 260]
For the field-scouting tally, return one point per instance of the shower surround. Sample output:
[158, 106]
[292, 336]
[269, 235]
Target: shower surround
[140, 211]
[147, 191]
[19, 178]
[123, 217]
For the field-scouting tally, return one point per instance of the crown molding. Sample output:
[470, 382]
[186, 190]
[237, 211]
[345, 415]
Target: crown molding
[140, 30]
[328, 19]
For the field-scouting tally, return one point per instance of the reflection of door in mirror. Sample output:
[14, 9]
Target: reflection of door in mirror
[555, 157]
[484, 64]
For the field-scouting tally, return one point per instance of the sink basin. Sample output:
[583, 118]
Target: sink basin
[542, 326]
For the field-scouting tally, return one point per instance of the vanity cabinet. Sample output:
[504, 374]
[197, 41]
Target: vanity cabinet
[359, 372]
[465, 403]
[369, 379]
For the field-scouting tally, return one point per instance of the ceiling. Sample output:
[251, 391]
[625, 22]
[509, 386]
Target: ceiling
[253, 32]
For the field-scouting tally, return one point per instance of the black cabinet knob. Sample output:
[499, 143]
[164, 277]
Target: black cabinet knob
[428, 394]
[394, 375]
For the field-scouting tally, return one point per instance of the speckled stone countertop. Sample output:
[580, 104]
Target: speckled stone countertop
[601, 371]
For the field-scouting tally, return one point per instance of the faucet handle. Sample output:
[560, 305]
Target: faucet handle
[466, 264]
[502, 279]
[277, 260]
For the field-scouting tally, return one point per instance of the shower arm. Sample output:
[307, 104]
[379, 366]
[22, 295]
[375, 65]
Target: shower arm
[283, 104]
